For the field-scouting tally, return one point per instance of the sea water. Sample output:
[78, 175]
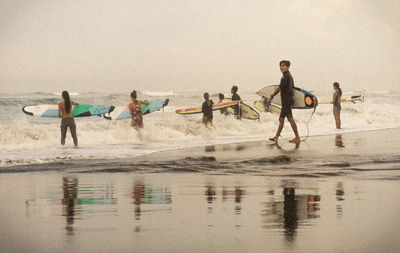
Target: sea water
[28, 139]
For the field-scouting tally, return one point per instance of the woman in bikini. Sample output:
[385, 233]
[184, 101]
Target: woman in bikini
[336, 104]
[135, 110]
[67, 121]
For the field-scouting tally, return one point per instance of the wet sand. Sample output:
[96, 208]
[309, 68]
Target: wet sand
[332, 194]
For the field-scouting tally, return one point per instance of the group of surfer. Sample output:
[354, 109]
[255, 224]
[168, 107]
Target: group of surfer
[285, 89]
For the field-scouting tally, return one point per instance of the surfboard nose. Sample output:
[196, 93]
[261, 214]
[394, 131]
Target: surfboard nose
[26, 112]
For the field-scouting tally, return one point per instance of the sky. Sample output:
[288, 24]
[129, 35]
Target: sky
[184, 45]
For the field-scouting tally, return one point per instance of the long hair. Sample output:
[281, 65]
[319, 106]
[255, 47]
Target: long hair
[337, 86]
[67, 101]
[207, 98]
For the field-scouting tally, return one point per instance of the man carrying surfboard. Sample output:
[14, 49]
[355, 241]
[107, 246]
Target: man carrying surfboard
[286, 89]
[236, 96]
[135, 110]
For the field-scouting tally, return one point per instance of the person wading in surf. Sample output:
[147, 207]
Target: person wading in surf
[336, 104]
[206, 109]
[135, 109]
[235, 96]
[286, 90]
[65, 113]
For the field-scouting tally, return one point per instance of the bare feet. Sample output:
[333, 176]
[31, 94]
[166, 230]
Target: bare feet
[275, 139]
[295, 140]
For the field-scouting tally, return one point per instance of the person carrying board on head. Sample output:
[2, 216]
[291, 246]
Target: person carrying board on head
[286, 89]
[206, 109]
[67, 120]
[135, 109]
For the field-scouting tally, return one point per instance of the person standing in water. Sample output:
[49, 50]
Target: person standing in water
[336, 104]
[286, 90]
[221, 98]
[235, 97]
[135, 109]
[65, 113]
[206, 109]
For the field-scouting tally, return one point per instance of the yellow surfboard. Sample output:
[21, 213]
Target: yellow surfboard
[215, 106]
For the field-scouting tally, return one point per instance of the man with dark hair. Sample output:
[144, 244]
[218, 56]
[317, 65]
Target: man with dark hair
[236, 96]
[286, 90]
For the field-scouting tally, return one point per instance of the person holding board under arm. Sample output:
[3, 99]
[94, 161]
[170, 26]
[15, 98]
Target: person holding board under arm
[206, 109]
[65, 113]
[135, 109]
[286, 90]
[235, 97]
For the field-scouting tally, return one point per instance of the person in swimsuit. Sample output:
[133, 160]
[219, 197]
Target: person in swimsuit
[235, 96]
[135, 109]
[222, 110]
[286, 90]
[336, 104]
[206, 109]
[67, 121]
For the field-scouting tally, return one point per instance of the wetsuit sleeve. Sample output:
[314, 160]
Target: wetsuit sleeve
[203, 107]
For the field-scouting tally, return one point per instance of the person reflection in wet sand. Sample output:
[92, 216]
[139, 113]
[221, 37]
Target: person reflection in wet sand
[290, 218]
[70, 195]
[138, 197]
[339, 141]
[210, 193]
[339, 197]
[276, 144]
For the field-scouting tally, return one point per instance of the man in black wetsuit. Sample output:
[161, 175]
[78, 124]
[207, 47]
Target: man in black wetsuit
[236, 96]
[286, 90]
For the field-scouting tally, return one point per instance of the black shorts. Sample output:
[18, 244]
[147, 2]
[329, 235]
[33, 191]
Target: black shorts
[286, 111]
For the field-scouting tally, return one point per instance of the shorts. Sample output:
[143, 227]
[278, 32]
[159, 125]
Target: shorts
[286, 111]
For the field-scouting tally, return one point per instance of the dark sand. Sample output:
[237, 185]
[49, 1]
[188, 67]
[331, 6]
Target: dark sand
[331, 194]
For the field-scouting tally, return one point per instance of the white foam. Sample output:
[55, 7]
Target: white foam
[31, 139]
[158, 93]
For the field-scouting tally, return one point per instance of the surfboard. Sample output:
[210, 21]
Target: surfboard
[215, 106]
[122, 112]
[353, 99]
[262, 105]
[302, 99]
[81, 110]
[246, 111]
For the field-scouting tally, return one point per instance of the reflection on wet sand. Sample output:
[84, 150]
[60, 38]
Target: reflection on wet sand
[85, 200]
[290, 212]
[143, 194]
[237, 194]
[339, 141]
[339, 198]
[70, 195]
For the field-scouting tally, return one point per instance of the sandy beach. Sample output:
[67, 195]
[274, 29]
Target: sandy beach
[336, 193]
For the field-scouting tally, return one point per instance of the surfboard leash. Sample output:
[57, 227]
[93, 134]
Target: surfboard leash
[308, 129]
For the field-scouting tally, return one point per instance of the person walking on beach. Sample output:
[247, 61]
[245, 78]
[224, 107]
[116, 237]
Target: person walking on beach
[206, 109]
[286, 90]
[235, 97]
[336, 104]
[67, 121]
[135, 109]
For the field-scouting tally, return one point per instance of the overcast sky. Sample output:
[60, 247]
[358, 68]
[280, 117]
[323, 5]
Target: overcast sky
[116, 46]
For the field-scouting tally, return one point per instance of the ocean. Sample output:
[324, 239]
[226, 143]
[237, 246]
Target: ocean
[33, 140]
